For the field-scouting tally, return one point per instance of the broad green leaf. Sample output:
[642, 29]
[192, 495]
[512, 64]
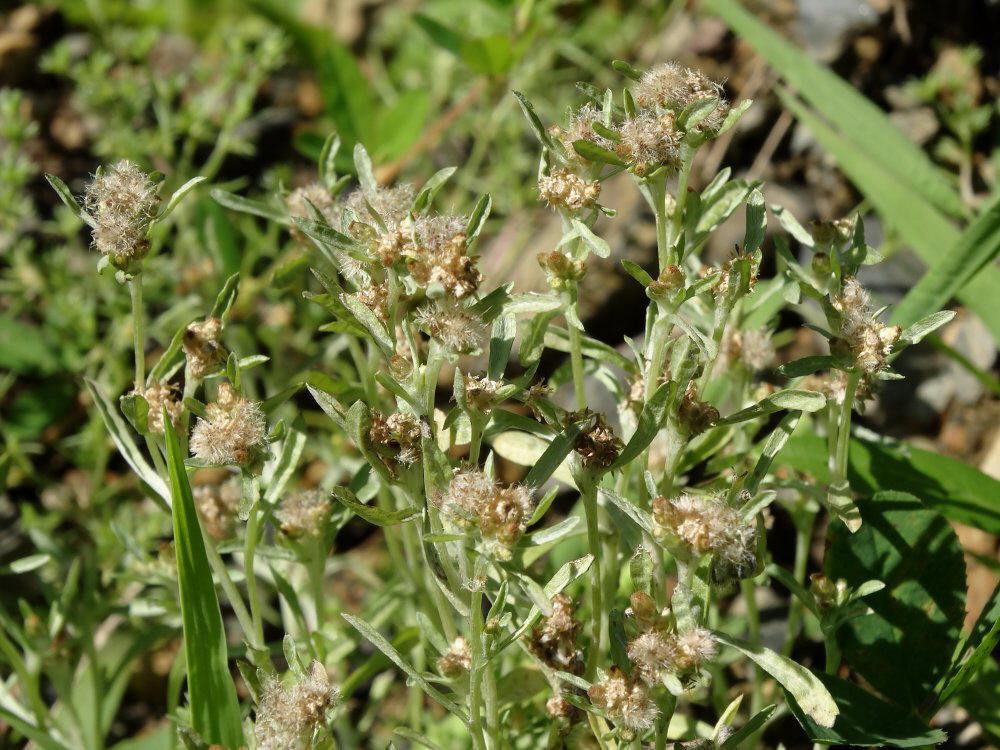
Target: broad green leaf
[958, 491]
[490, 55]
[841, 103]
[370, 513]
[915, 552]
[807, 689]
[866, 720]
[379, 642]
[215, 710]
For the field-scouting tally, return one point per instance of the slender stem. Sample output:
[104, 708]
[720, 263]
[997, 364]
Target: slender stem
[138, 337]
[832, 652]
[589, 494]
[476, 423]
[839, 477]
[476, 668]
[667, 707]
[804, 520]
[677, 217]
[576, 362]
[658, 192]
[232, 593]
[249, 548]
[748, 588]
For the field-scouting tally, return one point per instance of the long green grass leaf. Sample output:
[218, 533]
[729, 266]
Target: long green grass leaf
[215, 711]
[842, 105]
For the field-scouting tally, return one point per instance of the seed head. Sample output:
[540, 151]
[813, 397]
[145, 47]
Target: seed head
[563, 189]
[869, 341]
[303, 513]
[653, 654]
[501, 514]
[694, 414]
[649, 141]
[452, 324]
[707, 525]
[391, 204]
[202, 347]
[161, 396]
[581, 128]
[599, 446]
[315, 193]
[234, 430]
[673, 87]
[752, 348]
[554, 641]
[217, 505]
[480, 392]
[289, 714]
[437, 255]
[122, 200]
[625, 700]
[693, 648]
[457, 660]
[396, 437]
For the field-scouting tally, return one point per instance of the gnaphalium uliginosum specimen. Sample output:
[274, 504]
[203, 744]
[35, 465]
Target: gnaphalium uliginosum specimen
[673, 487]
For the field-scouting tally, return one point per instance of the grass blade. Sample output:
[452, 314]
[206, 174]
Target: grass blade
[842, 105]
[215, 711]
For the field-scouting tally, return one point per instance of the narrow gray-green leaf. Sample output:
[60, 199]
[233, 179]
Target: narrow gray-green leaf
[787, 399]
[809, 692]
[249, 206]
[177, 197]
[597, 245]
[370, 513]
[379, 642]
[649, 423]
[67, 197]
[366, 175]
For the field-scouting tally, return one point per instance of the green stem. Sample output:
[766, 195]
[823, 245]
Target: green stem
[677, 217]
[658, 193]
[138, 338]
[477, 665]
[832, 652]
[667, 706]
[588, 492]
[576, 362]
[747, 588]
[232, 593]
[476, 423]
[838, 479]
[804, 520]
[249, 549]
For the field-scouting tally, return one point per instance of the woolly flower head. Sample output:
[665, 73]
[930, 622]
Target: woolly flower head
[658, 652]
[392, 204]
[649, 141]
[870, 342]
[581, 128]
[160, 396]
[122, 200]
[501, 514]
[396, 437]
[316, 194]
[625, 700]
[437, 257]
[707, 525]
[233, 431]
[303, 513]
[452, 324]
[456, 660]
[554, 641]
[217, 505]
[289, 714]
[598, 446]
[202, 348]
[672, 86]
[752, 348]
[563, 189]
